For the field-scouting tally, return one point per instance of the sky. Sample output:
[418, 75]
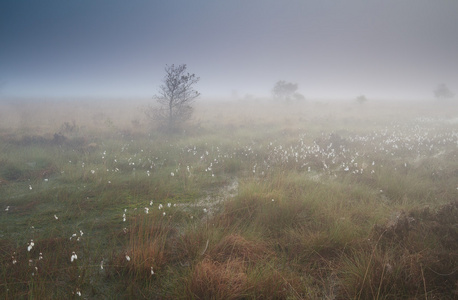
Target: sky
[331, 49]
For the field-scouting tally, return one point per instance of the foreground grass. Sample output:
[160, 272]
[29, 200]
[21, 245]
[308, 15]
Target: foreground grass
[306, 203]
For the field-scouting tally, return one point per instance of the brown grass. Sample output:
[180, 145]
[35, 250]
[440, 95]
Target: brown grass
[149, 246]
[413, 254]
[234, 246]
[215, 280]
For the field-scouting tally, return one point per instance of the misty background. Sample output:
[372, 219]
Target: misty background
[385, 49]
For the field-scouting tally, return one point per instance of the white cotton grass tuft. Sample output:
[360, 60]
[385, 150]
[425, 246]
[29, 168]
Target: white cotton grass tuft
[127, 257]
[30, 245]
[73, 257]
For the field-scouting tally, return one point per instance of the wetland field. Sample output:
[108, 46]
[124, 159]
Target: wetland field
[250, 200]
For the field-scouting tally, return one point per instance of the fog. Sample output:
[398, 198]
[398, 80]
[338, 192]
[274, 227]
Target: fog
[386, 50]
[313, 155]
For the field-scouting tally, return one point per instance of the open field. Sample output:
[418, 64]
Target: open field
[253, 200]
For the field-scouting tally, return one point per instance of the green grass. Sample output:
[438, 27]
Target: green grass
[287, 202]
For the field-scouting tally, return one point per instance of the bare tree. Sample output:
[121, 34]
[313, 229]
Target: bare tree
[443, 92]
[175, 97]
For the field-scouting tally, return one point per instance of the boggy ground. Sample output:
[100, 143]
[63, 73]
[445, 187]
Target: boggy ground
[254, 199]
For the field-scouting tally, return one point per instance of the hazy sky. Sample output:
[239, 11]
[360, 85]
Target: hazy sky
[385, 49]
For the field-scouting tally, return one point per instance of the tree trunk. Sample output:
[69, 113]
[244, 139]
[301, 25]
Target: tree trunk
[170, 115]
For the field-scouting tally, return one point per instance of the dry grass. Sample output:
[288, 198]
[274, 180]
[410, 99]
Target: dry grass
[415, 253]
[234, 246]
[149, 248]
[215, 280]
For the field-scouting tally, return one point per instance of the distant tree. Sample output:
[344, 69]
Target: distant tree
[175, 97]
[298, 97]
[361, 99]
[442, 92]
[286, 91]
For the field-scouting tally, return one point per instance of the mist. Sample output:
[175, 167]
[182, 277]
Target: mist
[389, 50]
[228, 149]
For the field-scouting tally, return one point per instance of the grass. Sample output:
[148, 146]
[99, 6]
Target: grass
[301, 201]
